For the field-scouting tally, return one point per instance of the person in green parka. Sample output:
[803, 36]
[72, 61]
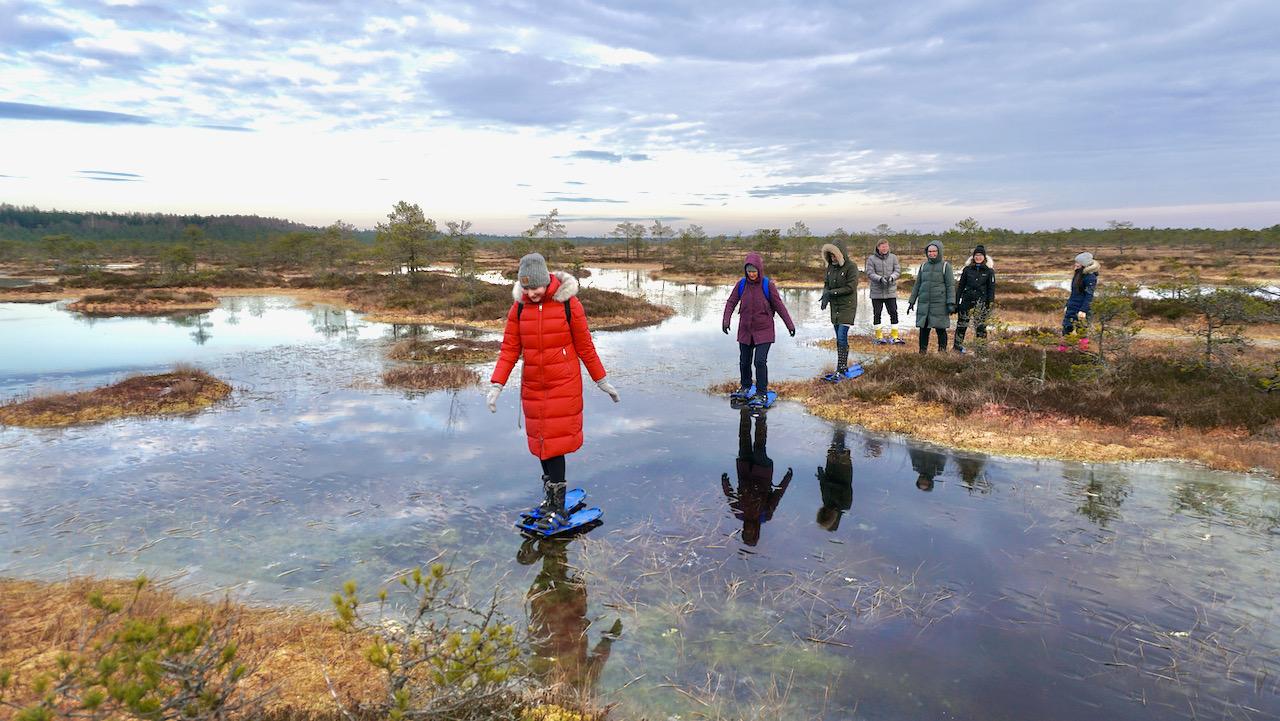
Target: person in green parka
[935, 291]
[840, 292]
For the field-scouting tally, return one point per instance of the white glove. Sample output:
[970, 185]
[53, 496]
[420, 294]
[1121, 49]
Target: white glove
[607, 387]
[491, 398]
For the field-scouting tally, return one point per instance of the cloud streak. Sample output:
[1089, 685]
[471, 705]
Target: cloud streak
[28, 111]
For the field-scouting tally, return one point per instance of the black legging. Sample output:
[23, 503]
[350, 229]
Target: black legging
[553, 468]
[924, 339]
[761, 353]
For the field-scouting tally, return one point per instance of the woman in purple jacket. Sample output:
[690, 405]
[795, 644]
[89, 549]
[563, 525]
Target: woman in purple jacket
[759, 299]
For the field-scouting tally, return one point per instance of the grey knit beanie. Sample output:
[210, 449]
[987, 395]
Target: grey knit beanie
[533, 271]
[1084, 258]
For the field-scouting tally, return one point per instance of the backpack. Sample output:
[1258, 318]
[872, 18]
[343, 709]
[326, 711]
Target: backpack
[764, 281]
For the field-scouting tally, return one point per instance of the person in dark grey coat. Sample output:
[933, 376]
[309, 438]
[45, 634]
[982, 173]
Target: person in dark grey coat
[935, 291]
[975, 295]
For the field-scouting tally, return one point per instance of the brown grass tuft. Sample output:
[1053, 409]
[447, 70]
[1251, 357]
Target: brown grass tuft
[430, 377]
[144, 301]
[185, 390]
[441, 298]
[445, 350]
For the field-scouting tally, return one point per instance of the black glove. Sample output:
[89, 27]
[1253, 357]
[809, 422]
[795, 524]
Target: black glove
[911, 307]
[792, 331]
[825, 301]
[725, 328]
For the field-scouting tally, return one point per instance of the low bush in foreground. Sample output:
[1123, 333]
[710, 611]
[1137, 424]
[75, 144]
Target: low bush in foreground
[130, 650]
[182, 391]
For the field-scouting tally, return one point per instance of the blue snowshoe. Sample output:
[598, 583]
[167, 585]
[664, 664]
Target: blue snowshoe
[850, 373]
[761, 401]
[574, 499]
[742, 396]
[572, 516]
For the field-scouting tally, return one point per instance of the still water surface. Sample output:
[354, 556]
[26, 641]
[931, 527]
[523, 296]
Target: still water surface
[751, 561]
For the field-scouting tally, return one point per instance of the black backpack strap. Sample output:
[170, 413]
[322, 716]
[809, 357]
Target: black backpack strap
[568, 311]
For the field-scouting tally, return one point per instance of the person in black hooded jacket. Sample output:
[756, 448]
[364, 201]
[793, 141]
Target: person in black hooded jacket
[975, 295]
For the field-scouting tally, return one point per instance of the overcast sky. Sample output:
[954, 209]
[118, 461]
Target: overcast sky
[734, 115]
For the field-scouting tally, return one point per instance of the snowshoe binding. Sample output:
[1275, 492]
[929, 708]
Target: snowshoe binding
[742, 396]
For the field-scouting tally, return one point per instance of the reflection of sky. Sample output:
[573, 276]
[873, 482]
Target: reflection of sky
[303, 481]
[45, 339]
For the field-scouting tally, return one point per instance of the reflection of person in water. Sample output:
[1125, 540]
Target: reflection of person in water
[558, 616]
[756, 498]
[927, 464]
[972, 475]
[836, 482]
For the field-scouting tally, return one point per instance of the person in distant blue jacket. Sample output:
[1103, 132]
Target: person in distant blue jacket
[1083, 285]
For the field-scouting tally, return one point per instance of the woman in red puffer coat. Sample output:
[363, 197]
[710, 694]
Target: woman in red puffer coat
[547, 328]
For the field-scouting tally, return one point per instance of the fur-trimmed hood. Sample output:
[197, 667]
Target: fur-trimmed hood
[988, 262]
[837, 249]
[567, 288]
[1093, 267]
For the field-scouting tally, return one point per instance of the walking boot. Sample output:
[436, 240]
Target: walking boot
[894, 339]
[842, 359]
[558, 515]
[548, 499]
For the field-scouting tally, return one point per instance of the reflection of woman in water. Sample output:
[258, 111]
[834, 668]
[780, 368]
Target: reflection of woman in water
[927, 464]
[756, 498]
[558, 615]
[836, 482]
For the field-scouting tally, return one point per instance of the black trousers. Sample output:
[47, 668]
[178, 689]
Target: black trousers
[962, 319]
[879, 304]
[924, 339]
[760, 353]
[553, 468]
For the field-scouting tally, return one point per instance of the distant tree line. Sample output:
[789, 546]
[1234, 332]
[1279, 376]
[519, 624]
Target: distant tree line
[408, 240]
[27, 223]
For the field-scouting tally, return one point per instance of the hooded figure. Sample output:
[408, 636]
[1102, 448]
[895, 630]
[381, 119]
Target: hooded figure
[835, 481]
[934, 291]
[547, 329]
[756, 498]
[840, 292]
[1083, 284]
[975, 294]
[927, 464]
[755, 321]
[883, 271]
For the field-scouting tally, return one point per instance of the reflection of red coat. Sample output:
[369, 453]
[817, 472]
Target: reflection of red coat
[551, 387]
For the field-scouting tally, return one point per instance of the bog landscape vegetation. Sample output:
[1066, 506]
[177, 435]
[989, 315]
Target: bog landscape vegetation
[313, 521]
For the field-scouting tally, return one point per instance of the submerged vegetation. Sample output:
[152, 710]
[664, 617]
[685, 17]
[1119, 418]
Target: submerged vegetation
[184, 390]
